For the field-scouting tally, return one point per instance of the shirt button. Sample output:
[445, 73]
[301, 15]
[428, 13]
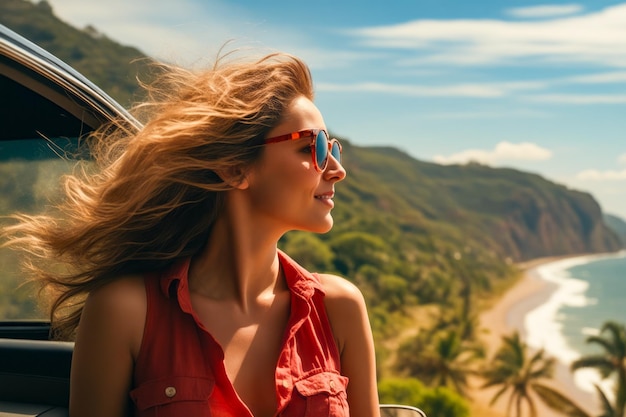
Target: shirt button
[332, 385]
[170, 392]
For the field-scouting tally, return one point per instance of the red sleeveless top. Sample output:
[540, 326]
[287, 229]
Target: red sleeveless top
[180, 368]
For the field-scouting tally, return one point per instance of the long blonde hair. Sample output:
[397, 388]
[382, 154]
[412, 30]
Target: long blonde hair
[156, 193]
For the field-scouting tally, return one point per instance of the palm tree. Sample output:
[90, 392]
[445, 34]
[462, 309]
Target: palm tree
[514, 371]
[559, 402]
[612, 360]
[444, 360]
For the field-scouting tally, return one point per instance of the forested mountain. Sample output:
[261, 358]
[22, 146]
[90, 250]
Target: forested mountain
[516, 214]
[618, 225]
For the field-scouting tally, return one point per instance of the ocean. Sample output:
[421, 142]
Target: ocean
[587, 292]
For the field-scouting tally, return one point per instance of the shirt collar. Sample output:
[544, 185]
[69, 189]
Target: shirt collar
[299, 280]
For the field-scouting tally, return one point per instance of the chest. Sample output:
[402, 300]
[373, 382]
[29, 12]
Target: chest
[232, 369]
[251, 343]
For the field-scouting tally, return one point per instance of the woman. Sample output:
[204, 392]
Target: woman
[180, 301]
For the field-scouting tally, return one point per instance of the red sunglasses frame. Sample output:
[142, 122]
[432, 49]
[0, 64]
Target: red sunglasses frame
[312, 133]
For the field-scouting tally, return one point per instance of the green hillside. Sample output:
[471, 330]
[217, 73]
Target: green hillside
[113, 67]
[516, 214]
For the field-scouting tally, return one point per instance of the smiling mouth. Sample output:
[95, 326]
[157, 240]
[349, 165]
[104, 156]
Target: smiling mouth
[324, 196]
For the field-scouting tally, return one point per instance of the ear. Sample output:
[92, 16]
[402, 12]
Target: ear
[236, 177]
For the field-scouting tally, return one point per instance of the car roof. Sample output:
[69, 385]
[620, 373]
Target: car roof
[26, 64]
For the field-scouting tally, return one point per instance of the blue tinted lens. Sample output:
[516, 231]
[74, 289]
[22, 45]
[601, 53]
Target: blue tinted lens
[335, 150]
[321, 149]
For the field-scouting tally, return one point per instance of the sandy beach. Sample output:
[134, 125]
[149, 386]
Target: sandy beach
[506, 316]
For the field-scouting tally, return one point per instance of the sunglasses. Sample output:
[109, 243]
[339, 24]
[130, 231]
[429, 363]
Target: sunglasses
[321, 146]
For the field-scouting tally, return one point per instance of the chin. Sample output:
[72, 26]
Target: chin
[326, 227]
[321, 227]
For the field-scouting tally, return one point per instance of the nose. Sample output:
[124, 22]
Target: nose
[334, 170]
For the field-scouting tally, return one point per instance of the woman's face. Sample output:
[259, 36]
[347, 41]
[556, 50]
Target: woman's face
[284, 186]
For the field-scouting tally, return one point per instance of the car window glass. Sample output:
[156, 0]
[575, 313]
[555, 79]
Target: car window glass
[38, 145]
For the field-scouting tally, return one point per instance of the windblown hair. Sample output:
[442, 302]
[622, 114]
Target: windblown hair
[156, 192]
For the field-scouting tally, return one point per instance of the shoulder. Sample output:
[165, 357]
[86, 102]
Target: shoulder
[119, 295]
[107, 343]
[348, 318]
[118, 307]
[339, 289]
[345, 307]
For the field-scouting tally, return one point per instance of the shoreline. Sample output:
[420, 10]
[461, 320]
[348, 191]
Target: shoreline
[506, 316]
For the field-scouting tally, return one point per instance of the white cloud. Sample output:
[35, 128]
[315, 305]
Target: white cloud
[596, 175]
[598, 38]
[579, 98]
[160, 28]
[482, 90]
[548, 10]
[190, 32]
[461, 90]
[505, 113]
[494, 89]
[503, 151]
[622, 158]
[602, 78]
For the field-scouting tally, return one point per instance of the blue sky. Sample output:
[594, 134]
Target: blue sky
[538, 86]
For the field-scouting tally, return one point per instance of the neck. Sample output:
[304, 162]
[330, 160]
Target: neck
[240, 261]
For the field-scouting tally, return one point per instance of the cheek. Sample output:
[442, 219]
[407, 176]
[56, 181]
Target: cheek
[290, 169]
[300, 176]
[282, 169]
[286, 182]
